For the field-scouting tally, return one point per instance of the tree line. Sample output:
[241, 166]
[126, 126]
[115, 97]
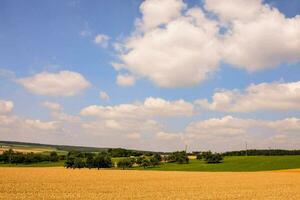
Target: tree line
[104, 160]
[262, 152]
[14, 157]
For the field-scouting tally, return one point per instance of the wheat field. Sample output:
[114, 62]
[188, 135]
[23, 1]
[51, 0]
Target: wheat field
[60, 183]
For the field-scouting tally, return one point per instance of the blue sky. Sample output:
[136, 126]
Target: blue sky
[55, 36]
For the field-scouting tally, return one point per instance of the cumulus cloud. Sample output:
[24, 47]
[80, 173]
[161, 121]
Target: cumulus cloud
[167, 136]
[101, 39]
[264, 96]
[104, 96]
[133, 136]
[151, 107]
[63, 83]
[37, 124]
[52, 106]
[176, 46]
[230, 133]
[6, 107]
[125, 80]
[158, 12]
[260, 38]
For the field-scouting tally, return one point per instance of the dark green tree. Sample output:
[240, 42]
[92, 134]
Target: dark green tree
[89, 161]
[78, 163]
[125, 163]
[53, 156]
[102, 160]
[154, 161]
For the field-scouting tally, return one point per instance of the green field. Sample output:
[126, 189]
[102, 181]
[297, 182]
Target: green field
[234, 164]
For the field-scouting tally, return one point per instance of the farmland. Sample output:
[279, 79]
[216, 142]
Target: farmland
[235, 163]
[60, 183]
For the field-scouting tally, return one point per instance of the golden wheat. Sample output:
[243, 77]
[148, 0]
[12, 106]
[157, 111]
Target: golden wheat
[60, 183]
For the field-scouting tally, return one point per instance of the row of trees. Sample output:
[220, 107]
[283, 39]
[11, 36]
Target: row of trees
[89, 160]
[141, 161]
[262, 152]
[14, 157]
[103, 160]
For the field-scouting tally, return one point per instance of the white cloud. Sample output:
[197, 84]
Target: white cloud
[102, 40]
[133, 136]
[125, 80]
[229, 133]
[175, 47]
[46, 126]
[52, 106]
[157, 12]
[63, 83]
[167, 136]
[151, 107]
[104, 96]
[6, 107]
[234, 9]
[264, 96]
[177, 54]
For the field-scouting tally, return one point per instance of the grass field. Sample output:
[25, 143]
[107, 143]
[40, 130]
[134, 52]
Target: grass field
[60, 183]
[235, 163]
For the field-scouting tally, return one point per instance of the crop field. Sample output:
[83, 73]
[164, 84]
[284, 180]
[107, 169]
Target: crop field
[60, 183]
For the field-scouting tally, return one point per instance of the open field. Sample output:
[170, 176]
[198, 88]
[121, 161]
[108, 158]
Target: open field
[235, 164]
[60, 183]
[29, 148]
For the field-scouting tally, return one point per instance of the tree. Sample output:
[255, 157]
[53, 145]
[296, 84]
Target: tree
[102, 160]
[139, 160]
[145, 163]
[89, 161]
[125, 163]
[199, 156]
[213, 158]
[180, 157]
[154, 161]
[157, 156]
[70, 161]
[53, 156]
[78, 163]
